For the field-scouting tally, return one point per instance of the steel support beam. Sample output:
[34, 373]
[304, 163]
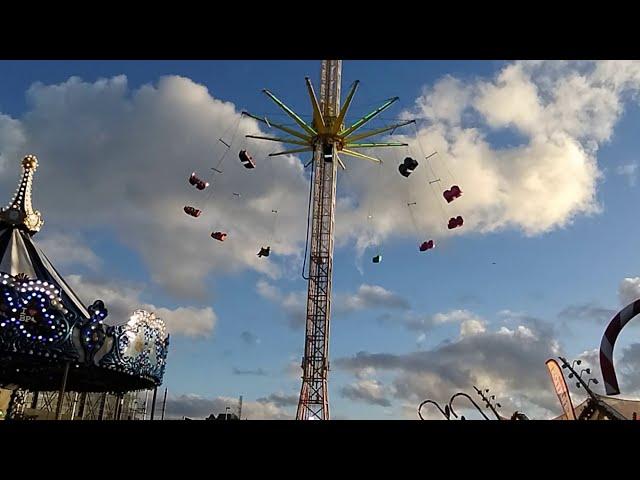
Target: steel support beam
[314, 397]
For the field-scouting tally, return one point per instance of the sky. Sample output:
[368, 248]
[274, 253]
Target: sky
[544, 152]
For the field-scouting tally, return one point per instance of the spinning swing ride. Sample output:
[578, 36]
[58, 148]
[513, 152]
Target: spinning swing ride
[328, 139]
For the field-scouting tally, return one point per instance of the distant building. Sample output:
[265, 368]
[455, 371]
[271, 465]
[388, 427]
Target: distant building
[223, 416]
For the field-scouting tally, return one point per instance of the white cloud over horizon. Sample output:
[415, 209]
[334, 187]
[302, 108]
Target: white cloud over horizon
[509, 361]
[274, 407]
[122, 298]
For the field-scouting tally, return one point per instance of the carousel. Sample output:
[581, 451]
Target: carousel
[51, 341]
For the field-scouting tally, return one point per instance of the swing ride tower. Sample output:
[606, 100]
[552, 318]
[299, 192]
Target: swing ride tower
[327, 138]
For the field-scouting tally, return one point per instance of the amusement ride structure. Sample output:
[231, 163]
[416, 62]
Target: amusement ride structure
[327, 138]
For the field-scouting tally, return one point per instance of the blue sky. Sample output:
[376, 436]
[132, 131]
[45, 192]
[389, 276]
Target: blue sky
[566, 250]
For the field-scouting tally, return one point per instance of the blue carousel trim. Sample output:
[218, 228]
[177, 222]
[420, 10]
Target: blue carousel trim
[34, 321]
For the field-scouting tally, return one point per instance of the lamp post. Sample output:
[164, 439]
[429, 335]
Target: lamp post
[578, 376]
[164, 402]
[612, 413]
[487, 401]
[446, 412]
[468, 398]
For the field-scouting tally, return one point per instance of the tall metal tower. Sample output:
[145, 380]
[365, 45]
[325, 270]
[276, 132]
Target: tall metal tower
[326, 137]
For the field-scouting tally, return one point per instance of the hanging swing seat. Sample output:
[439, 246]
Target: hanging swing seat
[246, 159]
[407, 167]
[455, 222]
[264, 252]
[194, 212]
[221, 236]
[428, 245]
[451, 194]
[198, 182]
[377, 259]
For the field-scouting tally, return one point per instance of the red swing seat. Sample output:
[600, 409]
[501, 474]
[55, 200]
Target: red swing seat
[451, 194]
[197, 182]
[428, 245]
[455, 222]
[221, 236]
[194, 212]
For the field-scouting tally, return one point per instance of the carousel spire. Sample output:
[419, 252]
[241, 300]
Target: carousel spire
[20, 211]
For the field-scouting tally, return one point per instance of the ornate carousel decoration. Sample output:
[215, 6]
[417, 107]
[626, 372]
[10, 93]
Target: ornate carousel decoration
[141, 342]
[47, 332]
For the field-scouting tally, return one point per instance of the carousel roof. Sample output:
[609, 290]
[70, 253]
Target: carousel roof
[45, 328]
[20, 255]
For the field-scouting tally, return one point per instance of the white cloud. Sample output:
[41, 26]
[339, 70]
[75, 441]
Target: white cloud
[68, 249]
[454, 316]
[293, 370]
[116, 158]
[629, 171]
[521, 332]
[365, 373]
[446, 101]
[280, 400]
[249, 338]
[368, 391]
[509, 361]
[121, 299]
[369, 297]
[366, 297]
[511, 100]
[472, 327]
[562, 111]
[629, 290]
[469, 322]
[586, 311]
[293, 303]
[12, 139]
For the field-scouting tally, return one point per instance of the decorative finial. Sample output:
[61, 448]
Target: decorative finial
[20, 211]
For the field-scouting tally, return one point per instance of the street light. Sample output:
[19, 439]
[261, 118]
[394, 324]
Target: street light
[580, 383]
[446, 412]
[595, 401]
[488, 401]
[468, 398]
